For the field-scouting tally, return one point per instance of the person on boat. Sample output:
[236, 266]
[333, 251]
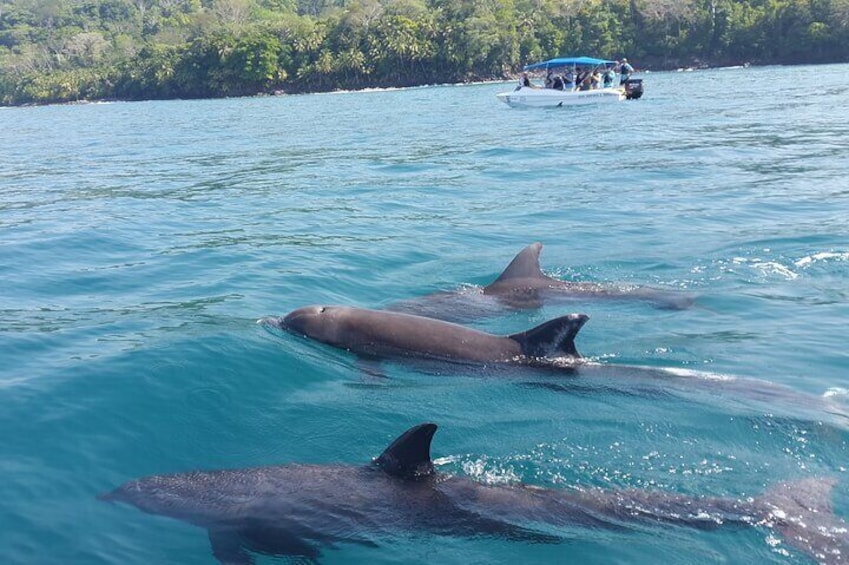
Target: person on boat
[568, 80]
[585, 80]
[608, 77]
[525, 82]
[625, 70]
[557, 83]
[580, 78]
[595, 80]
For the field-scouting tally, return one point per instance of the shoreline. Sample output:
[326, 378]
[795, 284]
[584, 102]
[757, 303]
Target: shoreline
[281, 90]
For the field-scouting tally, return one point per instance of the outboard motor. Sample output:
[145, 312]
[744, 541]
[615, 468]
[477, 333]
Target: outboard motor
[633, 88]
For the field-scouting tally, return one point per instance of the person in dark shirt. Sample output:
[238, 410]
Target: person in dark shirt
[557, 83]
[625, 70]
[609, 76]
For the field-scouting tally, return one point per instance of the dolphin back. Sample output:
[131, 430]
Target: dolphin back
[802, 513]
[555, 338]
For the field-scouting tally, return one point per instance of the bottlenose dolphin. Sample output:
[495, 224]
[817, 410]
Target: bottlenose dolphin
[436, 345]
[294, 510]
[394, 334]
[523, 285]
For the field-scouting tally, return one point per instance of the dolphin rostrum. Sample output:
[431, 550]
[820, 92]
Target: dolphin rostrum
[394, 334]
[523, 285]
[295, 510]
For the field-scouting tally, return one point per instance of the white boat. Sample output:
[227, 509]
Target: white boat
[567, 89]
[532, 96]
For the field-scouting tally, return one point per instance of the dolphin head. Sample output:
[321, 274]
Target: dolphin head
[322, 323]
[186, 496]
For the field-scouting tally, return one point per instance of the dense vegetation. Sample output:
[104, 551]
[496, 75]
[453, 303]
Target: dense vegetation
[64, 50]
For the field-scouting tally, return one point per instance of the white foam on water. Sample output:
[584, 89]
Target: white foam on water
[694, 374]
[823, 256]
[836, 391]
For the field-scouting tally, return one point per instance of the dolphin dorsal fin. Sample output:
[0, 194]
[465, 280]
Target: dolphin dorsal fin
[553, 338]
[408, 457]
[524, 265]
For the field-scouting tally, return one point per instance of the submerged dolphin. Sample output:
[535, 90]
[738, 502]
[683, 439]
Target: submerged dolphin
[293, 510]
[394, 334]
[523, 285]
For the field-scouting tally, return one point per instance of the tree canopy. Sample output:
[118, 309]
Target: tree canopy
[67, 50]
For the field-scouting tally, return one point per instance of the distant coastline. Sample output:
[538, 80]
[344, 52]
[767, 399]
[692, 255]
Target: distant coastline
[295, 89]
[94, 50]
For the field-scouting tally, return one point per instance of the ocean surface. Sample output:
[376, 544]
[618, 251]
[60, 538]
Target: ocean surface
[142, 241]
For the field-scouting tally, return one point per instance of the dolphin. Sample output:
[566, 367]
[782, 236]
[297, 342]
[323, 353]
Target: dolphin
[380, 333]
[549, 349]
[523, 286]
[294, 510]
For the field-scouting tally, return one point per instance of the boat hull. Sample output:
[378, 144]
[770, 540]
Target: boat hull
[550, 98]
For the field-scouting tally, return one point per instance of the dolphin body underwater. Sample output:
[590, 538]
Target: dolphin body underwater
[523, 285]
[295, 510]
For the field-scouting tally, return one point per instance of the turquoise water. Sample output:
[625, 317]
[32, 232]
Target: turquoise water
[141, 242]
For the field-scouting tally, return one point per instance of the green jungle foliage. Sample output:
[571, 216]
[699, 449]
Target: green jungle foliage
[67, 50]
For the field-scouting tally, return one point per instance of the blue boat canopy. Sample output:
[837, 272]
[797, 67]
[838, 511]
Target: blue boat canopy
[567, 61]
